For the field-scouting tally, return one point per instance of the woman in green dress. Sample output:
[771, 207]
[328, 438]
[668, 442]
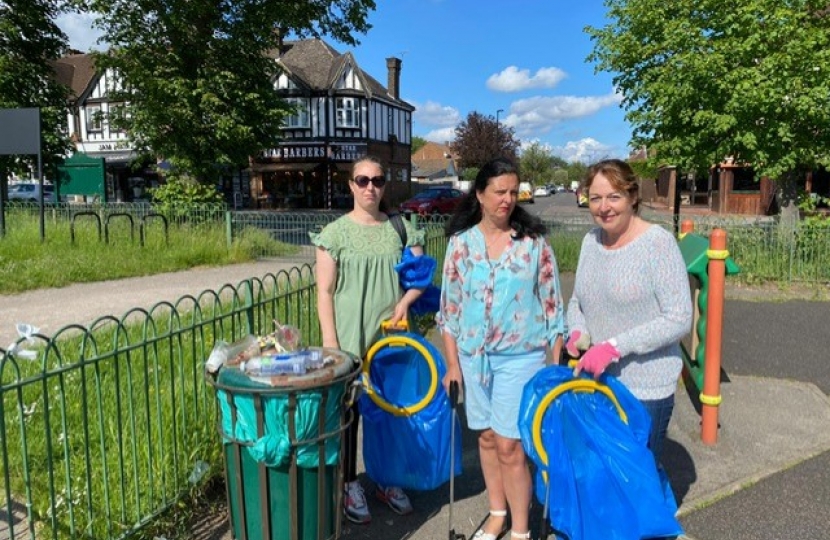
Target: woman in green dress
[357, 289]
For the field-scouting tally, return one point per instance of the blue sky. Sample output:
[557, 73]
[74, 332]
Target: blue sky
[526, 57]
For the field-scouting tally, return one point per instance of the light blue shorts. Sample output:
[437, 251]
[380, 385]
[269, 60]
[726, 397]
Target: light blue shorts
[496, 406]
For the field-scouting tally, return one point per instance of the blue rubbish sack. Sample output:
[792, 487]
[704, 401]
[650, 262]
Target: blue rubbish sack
[589, 440]
[418, 272]
[406, 414]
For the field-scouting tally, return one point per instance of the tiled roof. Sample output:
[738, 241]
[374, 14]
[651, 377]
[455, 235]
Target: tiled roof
[432, 150]
[76, 71]
[316, 64]
[430, 167]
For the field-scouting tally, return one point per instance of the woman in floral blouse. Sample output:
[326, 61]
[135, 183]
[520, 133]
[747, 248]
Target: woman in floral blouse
[501, 310]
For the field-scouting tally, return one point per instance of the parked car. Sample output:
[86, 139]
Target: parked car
[541, 191]
[581, 197]
[526, 192]
[30, 192]
[433, 201]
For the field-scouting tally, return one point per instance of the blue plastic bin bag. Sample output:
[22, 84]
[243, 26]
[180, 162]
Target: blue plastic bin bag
[274, 447]
[417, 272]
[409, 445]
[604, 483]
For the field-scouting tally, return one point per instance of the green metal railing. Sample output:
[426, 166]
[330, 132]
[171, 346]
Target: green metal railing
[111, 423]
[765, 249]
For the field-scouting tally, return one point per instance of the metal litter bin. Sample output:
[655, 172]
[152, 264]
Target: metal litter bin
[283, 448]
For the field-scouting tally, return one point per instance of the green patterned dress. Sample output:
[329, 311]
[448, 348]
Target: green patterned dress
[367, 287]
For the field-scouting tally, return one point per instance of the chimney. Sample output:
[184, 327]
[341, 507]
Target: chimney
[394, 82]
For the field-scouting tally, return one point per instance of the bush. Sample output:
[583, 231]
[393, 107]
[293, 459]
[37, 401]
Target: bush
[179, 194]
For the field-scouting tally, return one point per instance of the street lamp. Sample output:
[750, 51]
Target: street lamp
[498, 112]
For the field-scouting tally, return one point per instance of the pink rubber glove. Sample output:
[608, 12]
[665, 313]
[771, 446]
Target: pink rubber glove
[597, 358]
[577, 342]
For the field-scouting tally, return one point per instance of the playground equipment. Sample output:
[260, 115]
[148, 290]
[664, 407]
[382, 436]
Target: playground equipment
[708, 263]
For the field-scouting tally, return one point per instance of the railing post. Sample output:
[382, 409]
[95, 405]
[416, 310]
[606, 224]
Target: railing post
[249, 306]
[710, 397]
[228, 229]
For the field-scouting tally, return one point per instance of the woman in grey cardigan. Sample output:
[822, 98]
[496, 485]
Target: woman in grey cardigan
[631, 303]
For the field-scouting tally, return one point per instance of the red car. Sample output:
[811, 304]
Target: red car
[433, 201]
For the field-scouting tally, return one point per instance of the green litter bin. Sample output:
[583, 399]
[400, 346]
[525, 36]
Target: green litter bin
[282, 445]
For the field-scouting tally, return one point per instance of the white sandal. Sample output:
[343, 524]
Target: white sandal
[521, 536]
[481, 535]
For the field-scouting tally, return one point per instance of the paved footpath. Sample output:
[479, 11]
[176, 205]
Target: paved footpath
[766, 479]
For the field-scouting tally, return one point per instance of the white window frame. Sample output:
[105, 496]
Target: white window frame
[301, 118]
[94, 118]
[113, 109]
[348, 112]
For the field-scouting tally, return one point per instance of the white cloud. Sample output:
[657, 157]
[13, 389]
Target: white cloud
[513, 79]
[524, 144]
[442, 135]
[80, 29]
[435, 114]
[537, 115]
[587, 150]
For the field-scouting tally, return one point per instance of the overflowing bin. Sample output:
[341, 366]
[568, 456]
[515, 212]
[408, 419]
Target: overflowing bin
[282, 443]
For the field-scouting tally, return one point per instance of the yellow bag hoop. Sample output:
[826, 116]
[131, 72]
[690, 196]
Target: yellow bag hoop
[400, 341]
[576, 385]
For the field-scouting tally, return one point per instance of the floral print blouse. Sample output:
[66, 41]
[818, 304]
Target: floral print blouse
[512, 305]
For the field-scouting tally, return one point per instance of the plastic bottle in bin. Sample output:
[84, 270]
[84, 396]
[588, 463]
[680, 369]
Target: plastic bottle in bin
[290, 363]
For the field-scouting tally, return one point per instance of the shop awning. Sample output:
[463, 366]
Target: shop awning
[283, 167]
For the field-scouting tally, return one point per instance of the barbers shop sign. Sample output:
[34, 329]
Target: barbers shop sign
[299, 152]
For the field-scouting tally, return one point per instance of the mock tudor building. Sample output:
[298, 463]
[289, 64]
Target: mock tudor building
[342, 114]
[95, 139]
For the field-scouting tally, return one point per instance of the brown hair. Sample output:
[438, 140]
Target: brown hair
[383, 206]
[368, 158]
[619, 175]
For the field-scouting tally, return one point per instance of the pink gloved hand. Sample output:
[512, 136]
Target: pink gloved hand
[577, 342]
[597, 358]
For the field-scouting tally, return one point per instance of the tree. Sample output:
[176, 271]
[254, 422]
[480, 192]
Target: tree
[198, 76]
[576, 171]
[478, 139]
[702, 80]
[536, 163]
[29, 43]
[417, 143]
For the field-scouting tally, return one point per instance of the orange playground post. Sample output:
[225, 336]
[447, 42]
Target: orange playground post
[710, 397]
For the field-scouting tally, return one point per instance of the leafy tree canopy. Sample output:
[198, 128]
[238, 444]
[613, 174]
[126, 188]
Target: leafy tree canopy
[705, 79]
[537, 163]
[647, 168]
[198, 75]
[478, 139]
[417, 143]
[29, 43]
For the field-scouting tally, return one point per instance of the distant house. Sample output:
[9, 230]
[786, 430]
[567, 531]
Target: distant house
[434, 163]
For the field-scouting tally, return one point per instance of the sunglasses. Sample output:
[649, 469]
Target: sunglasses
[362, 181]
